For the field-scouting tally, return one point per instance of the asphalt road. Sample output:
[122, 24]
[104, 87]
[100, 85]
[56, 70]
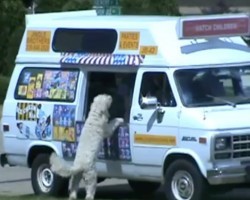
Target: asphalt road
[16, 181]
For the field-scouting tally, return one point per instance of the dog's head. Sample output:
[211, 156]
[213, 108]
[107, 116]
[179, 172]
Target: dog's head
[103, 102]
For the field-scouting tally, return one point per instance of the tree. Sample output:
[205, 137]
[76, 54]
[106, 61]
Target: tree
[78, 5]
[27, 3]
[43, 6]
[12, 18]
[149, 7]
[12, 14]
[13, 45]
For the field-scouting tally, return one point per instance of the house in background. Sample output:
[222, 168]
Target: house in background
[189, 7]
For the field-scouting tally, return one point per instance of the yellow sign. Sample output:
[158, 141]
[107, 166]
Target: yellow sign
[148, 50]
[129, 40]
[38, 41]
[155, 139]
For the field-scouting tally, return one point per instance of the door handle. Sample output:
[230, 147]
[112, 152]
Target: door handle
[138, 117]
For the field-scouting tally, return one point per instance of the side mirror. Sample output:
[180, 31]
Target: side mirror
[152, 102]
[148, 102]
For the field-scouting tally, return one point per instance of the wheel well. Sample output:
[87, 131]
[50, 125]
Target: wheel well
[34, 151]
[176, 156]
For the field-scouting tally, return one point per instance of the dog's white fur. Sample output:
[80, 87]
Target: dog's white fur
[95, 129]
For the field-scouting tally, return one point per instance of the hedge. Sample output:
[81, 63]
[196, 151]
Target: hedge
[4, 83]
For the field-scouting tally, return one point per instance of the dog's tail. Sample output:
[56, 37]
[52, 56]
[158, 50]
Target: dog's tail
[60, 167]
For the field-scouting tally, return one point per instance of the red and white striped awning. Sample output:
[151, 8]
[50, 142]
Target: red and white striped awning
[102, 59]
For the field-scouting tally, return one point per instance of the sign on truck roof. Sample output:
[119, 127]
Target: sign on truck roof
[214, 26]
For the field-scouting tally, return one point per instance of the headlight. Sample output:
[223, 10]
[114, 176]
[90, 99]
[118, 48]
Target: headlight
[222, 143]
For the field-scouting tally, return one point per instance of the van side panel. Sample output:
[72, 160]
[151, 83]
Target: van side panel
[32, 122]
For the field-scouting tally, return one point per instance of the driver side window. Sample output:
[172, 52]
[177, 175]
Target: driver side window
[156, 84]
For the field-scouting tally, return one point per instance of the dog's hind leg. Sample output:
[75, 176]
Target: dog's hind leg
[90, 178]
[74, 185]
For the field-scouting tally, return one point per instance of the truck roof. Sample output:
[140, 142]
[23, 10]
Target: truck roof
[74, 37]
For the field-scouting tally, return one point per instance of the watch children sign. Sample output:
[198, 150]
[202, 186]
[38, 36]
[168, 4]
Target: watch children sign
[215, 27]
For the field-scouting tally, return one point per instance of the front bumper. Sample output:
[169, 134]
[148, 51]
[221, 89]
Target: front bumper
[3, 159]
[239, 174]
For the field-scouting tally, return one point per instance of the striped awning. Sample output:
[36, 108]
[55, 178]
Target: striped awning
[102, 59]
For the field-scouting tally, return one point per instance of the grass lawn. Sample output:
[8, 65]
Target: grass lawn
[24, 198]
[30, 197]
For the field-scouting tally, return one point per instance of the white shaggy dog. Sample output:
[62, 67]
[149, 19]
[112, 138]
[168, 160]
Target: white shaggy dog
[96, 128]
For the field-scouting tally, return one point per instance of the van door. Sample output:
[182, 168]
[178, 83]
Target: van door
[115, 151]
[152, 137]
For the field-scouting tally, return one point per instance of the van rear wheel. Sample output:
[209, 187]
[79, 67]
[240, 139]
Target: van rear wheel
[143, 187]
[44, 181]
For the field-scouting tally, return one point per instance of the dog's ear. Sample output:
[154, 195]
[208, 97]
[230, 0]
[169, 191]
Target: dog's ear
[96, 98]
[108, 100]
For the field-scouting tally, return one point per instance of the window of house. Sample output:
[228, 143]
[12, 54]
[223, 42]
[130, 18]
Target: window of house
[119, 85]
[156, 84]
[84, 40]
[47, 84]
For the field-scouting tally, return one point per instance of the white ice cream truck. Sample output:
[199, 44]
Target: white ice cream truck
[182, 85]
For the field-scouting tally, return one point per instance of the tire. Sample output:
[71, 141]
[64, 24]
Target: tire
[43, 181]
[144, 188]
[185, 172]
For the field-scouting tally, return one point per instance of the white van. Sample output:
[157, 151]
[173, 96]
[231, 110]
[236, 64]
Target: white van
[182, 84]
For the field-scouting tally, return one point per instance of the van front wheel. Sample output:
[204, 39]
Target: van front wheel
[44, 181]
[183, 181]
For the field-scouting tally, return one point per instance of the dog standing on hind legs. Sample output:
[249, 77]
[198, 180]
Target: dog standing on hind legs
[96, 128]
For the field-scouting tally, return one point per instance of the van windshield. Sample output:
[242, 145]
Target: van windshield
[214, 86]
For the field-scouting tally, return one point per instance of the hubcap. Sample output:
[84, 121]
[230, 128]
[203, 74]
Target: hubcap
[182, 185]
[45, 178]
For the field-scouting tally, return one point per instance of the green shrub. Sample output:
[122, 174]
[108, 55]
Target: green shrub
[150, 7]
[4, 83]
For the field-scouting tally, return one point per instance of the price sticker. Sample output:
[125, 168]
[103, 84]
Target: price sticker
[129, 40]
[38, 41]
[148, 50]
